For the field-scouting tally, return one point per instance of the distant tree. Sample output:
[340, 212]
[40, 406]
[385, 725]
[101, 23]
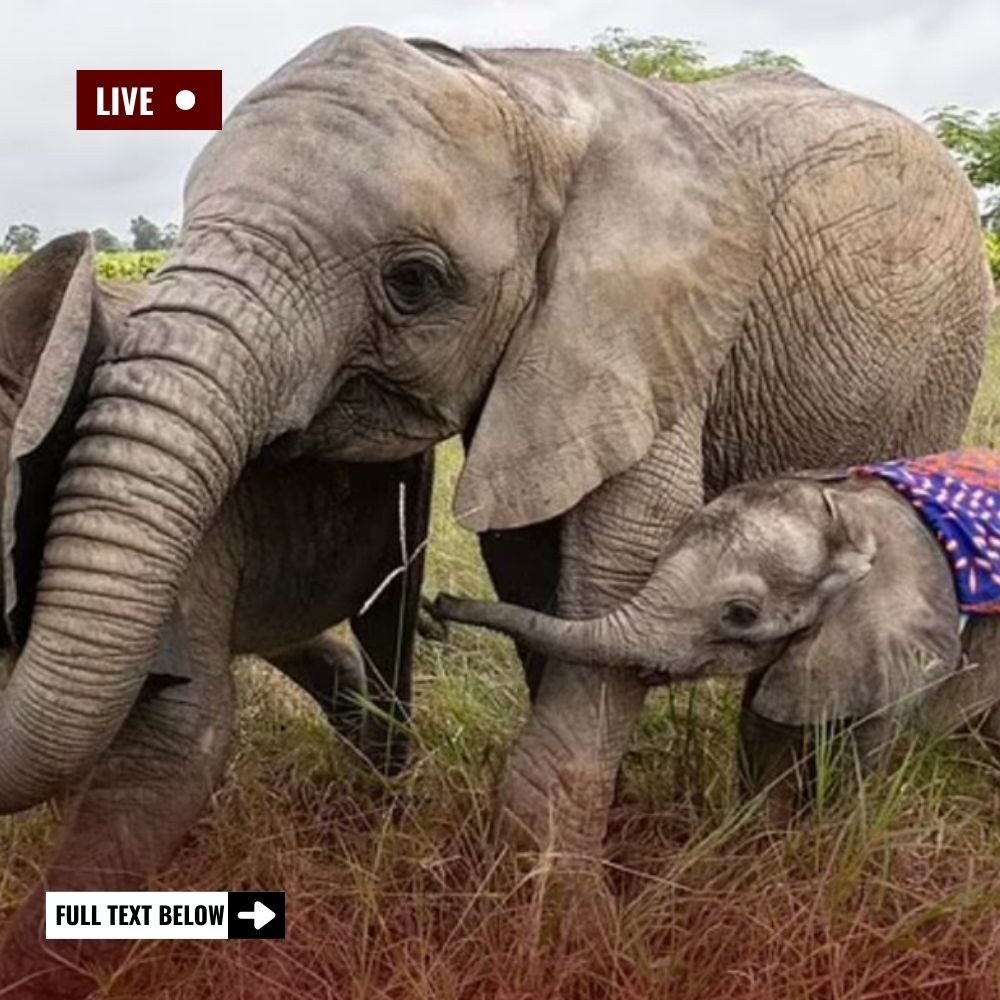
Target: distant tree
[763, 59]
[678, 59]
[169, 237]
[146, 235]
[21, 238]
[974, 138]
[105, 240]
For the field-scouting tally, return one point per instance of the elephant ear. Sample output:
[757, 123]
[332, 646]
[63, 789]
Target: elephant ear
[884, 641]
[53, 328]
[51, 334]
[642, 289]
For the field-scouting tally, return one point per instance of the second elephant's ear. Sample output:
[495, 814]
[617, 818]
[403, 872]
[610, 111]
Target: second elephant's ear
[883, 641]
[51, 334]
[642, 290]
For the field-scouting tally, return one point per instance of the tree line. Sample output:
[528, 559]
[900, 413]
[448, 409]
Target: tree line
[973, 136]
[24, 237]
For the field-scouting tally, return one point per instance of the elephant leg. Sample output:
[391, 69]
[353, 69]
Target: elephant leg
[364, 688]
[989, 733]
[788, 766]
[560, 778]
[523, 564]
[872, 742]
[365, 703]
[971, 698]
[386, 631]
[771, 760]
[332, 673]
[143, 796]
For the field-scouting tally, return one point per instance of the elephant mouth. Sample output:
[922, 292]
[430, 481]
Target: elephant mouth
[683, 672]
[368, 422]
[727, 658]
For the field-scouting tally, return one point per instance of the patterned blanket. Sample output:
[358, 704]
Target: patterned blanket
[957, 493]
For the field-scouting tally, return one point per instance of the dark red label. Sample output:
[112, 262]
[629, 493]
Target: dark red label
[148, 98]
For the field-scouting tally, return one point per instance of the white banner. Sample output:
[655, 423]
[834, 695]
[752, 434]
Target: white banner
[135, 915]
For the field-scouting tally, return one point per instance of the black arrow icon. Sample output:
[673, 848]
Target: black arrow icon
[256, 915]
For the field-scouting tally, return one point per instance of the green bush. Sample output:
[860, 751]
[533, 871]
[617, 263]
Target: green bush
[125, 265]
[993, 253]
[8, 261]
[129, 265]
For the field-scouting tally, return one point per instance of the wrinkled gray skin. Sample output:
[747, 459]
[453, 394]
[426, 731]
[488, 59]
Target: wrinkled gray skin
[296, 547]
[636, 291]
[830, 591]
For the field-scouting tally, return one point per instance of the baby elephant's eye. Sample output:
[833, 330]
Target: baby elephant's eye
[740, 614]
[413, 284]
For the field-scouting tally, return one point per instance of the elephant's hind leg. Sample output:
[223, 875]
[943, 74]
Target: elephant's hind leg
[363, 694]
[142, 798]
[969, 700]
[332, 672]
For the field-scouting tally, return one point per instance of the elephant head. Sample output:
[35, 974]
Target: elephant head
[384, 240]
[836, 589]
[52, 331]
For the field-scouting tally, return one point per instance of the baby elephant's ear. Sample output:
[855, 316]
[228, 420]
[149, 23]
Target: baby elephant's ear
[884, 639]
[51, 334]
[850, 538]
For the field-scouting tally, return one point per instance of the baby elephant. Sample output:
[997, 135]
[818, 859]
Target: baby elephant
[841, 595]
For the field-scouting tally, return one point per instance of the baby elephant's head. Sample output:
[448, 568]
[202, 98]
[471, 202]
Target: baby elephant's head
[743, 575]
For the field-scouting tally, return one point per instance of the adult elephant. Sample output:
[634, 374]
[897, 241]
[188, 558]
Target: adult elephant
[641, 289]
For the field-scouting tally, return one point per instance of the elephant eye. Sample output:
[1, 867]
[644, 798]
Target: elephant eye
[740, 614]
[412, 285]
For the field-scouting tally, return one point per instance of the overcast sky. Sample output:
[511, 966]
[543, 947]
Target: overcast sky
[911, 54]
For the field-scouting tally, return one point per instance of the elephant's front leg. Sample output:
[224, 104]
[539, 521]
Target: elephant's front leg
[142, 798]
[560, 778]
[771, 761]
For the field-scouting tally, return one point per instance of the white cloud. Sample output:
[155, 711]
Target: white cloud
[911, 54]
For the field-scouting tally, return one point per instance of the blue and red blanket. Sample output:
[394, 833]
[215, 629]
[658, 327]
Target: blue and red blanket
[957, 493]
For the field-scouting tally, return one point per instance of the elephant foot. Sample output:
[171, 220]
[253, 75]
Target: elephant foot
[560, 783]
[557, 808]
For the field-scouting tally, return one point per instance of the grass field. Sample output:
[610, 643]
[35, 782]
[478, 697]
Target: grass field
[893, 891]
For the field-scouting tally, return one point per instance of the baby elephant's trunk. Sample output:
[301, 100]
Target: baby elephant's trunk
[607, 640]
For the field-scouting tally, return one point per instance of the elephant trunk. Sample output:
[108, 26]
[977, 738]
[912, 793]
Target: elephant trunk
[174, 414]
[653, 632]
[611, 640]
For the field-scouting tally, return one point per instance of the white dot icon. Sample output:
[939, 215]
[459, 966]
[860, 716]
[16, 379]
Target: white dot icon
[185, 100]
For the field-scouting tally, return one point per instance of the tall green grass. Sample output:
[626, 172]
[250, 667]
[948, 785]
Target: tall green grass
[890, 890]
